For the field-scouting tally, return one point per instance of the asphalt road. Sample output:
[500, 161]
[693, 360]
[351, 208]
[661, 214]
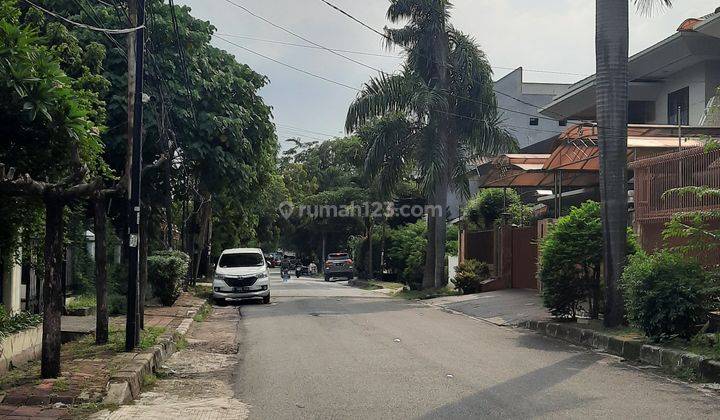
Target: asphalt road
[325, 350]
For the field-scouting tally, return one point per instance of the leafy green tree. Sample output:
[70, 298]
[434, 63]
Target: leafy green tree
[436, 114]
[51, 128]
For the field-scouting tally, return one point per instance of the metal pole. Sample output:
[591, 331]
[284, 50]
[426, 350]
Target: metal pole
[132, 332]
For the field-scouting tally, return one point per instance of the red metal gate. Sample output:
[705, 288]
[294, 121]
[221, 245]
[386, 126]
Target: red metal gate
[524, 258]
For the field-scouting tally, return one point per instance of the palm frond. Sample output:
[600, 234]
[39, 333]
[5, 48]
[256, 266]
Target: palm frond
[381, 95]
[648, 7]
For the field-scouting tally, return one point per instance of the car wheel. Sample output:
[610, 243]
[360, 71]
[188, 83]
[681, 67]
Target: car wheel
[219, 301]
[266, 299]
[350, 277]
[327, 278]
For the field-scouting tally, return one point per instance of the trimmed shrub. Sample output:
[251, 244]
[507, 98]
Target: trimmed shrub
[571, 255]
[571, 260]
[469, 275]
[21, 321]
[667, 294]
[166, 272]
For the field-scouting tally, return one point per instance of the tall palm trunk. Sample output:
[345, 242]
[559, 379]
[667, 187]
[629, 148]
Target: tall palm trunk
[440, 234]
[442, 51]
[429, 273]
[611, 42]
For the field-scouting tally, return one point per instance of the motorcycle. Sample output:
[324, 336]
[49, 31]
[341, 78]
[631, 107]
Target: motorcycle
[302, 270]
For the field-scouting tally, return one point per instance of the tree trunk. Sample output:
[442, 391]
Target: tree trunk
[52, 294]
[429, 272]
[441, 235]
[611, 44]
[370, 250]
[168, 202]
[101, 287]
[202, 224]
[144, 216]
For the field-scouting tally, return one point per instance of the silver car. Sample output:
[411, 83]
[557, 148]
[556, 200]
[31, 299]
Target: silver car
[241, 273]
[338, 264]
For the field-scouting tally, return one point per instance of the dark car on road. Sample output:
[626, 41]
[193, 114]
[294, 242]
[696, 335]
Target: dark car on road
[338, 264]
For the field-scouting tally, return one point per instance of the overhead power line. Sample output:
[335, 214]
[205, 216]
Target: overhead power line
[292, 44]
[355, 19]
[460, 97]
[290, 66]
[372, 54]
[308, 73]
[284, 29]
[291, 127]
[83, 25]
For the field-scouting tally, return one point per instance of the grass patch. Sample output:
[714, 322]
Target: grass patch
[83, 411]
[84, 301]
[426, 294]
[623, 331]
[181, 342]
[377, 284]
[16, 376]
[86, 348]
[201, 291]
[148, 382]
[60, 385]
[149, 336]
[203, 312]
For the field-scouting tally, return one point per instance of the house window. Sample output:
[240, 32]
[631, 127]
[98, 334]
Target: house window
[534, 121]
[562, 123]
[641, 112]
[679, 101]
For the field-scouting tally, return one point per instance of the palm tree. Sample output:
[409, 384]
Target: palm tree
[611, 46]
[434, 115]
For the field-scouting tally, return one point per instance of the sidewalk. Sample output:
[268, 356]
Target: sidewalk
[86, 368]
[502, 307]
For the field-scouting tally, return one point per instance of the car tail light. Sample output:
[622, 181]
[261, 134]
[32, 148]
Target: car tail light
[328, 264]
[349, 261]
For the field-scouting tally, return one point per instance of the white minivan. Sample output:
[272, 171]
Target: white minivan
[241, 273]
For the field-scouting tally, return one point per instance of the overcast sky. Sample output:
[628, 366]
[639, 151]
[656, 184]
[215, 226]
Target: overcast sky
[546, 35]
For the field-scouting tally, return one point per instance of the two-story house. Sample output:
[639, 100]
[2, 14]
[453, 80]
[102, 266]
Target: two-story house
[671, 82]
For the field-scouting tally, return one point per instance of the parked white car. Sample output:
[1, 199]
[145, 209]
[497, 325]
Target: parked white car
[241, 273]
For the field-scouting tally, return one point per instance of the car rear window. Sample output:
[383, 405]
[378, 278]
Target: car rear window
[248, 259]
[338, 256]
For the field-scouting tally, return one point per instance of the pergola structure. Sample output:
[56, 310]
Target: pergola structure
[575, 160]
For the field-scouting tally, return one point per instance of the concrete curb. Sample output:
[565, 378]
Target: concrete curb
[673, 360]
[125, 384]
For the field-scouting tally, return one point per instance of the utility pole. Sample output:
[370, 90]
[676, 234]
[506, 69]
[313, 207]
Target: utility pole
[136, 41]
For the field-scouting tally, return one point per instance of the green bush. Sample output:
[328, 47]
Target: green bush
[166, 272]
[571, 261]
[571, 255]
[469, 275]
[406, 252]
[10, 324]
[667, 294]
[483, 210]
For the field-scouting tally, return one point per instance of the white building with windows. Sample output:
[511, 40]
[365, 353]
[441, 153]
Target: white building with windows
[519, 103]
[680, 73]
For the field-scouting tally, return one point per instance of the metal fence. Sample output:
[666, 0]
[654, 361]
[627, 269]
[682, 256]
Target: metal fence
[654, 176]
